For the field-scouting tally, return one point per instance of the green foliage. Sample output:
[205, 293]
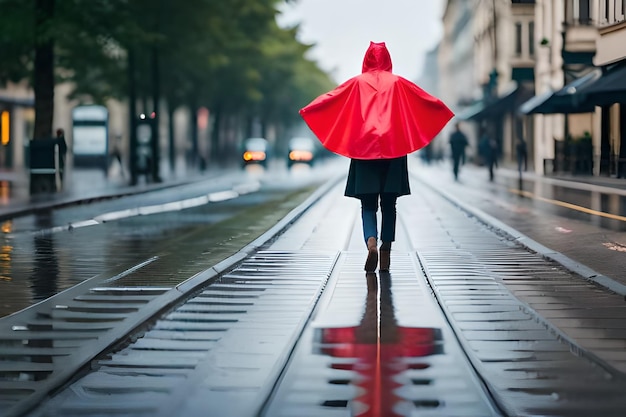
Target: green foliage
[17, 40]
[229, 55]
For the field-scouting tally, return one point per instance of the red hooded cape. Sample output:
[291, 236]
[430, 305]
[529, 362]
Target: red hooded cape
[377, 114]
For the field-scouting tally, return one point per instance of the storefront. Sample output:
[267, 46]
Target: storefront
[16, 121]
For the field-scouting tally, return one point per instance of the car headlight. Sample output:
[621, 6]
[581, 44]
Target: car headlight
[254, 156]
[300, 155]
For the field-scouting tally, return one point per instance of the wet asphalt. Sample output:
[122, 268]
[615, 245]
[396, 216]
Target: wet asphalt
[569, 218]
[187, 228]
[537, 335]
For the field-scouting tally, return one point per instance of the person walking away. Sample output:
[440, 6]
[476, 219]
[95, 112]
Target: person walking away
[489, 151]
[376, 182]
[458, 143]
[376, 119]
[116, 154]
[62, 144]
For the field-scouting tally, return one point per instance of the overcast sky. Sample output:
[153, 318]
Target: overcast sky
[343, 29]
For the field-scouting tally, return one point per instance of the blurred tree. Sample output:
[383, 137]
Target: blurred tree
[228, 56]
[17, 40]
[43, 79]
[289, 81]
[39, 40]
[261, 82]
[26, 43]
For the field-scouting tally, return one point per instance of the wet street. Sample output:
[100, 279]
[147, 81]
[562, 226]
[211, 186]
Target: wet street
[207, 300]
[191, 227]
[583, 221]
[310, 209]
[50, 251]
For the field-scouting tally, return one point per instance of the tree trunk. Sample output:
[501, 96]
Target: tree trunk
[44, 69]
[170, 137]
[605, 142]
[133, 143]
[192, 157]
[215, 132]
[156, 101]
[622, 147]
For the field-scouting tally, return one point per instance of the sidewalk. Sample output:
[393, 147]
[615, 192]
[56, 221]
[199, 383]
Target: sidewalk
[566, 216]
[81, 186]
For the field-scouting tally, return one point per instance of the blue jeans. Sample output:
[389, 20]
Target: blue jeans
[369, 208]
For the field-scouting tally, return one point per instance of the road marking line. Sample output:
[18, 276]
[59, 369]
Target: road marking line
[568, 205]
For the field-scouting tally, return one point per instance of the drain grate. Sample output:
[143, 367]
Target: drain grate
[44, 345]
[228, 341]
[378, 346]
[480, 279]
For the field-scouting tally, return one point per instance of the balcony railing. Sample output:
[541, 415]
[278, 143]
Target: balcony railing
[610, 12]
[578, 13]
[594, 12]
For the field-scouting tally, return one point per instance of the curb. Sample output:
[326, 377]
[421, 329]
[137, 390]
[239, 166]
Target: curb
[230, 262]
[568, 263]
[59, 200]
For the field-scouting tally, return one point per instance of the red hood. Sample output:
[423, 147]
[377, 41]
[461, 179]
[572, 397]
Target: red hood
[377, 58]
[376, 114]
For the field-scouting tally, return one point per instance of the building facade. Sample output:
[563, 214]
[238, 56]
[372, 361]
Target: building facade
[550, 71]
[611, 57]
[17, 118]
[497, 39]
[456, 84]
[577, 126]
[562, 136]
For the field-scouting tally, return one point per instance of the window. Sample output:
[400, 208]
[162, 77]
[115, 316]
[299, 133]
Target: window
[531, 38]
[584, 16]
[518, 39]
[606, 6]
[578, 12]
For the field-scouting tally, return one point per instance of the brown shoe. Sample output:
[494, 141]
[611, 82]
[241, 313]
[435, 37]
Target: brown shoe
[372, 255]
[385, 260]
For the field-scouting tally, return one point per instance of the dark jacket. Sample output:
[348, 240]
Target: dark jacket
[378, 176]
[458, 142]
[488, 149]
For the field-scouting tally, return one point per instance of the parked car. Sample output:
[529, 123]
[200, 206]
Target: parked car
[255, 151]
[301, 150]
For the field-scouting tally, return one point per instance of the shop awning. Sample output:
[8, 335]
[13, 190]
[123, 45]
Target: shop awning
[535, 102]
[488, 108]
[610, 88]
[468, 112]
[569, 99]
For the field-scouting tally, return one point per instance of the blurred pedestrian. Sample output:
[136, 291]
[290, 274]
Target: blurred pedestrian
[376, 119]
[488, 148]
[458, 143]
[427, 154]
[62, 144]
[116, 154]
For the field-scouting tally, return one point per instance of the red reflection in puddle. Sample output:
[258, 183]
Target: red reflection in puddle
[381, 350]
